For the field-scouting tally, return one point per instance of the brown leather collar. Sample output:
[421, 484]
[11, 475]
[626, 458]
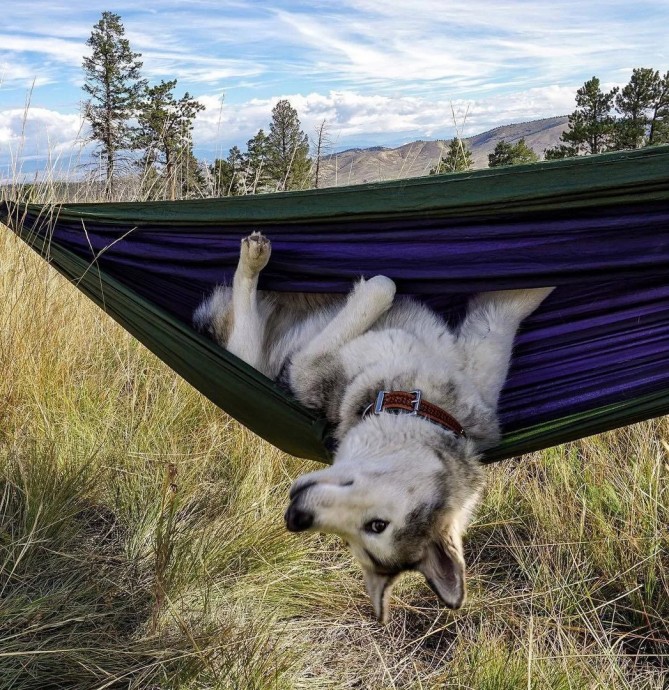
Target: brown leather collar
[413, 403]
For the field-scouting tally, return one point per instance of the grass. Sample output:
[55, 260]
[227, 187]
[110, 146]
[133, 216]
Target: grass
[142, 542]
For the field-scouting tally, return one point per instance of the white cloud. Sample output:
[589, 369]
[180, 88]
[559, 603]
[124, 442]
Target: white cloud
[51, 138]
[38, 134]
[352, 116]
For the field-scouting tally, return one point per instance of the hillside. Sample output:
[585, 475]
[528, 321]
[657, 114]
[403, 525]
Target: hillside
[356, 166]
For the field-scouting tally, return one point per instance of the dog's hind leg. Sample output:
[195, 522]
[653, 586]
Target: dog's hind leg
[487, 333]
[248, 324]
[312, 367]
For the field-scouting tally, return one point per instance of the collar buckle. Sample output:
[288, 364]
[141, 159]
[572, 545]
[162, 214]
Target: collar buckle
[381, 398]
[411, 403]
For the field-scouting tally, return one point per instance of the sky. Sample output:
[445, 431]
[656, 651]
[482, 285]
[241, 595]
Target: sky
[379, 72]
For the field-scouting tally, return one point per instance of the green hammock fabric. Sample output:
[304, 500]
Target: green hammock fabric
[229, 382]
[555, 186]
[92, 245]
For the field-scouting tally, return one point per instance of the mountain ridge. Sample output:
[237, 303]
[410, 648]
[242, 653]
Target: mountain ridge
[416, 158]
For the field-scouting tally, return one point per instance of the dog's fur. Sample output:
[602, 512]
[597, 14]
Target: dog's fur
[401, 489]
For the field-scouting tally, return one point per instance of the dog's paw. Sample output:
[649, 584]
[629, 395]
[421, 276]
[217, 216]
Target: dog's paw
[254, 253]
[379, 291]
[517, 304]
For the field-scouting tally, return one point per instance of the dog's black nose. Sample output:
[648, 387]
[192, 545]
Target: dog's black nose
[298, 520]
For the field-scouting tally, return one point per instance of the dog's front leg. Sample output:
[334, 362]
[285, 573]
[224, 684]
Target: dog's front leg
[313, 368]
[248, 325]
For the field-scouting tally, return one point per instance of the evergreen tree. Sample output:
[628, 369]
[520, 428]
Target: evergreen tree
[191, 177]
[113, 84]
[165, 136]
[288, 162]
[635, 104]
[256, 170]
[502, 155]
[457, 158]
[591, 125]
[560, 151]
[658, 132]
[511, 154]
[229, 174]
[643, 106]
[523, 153]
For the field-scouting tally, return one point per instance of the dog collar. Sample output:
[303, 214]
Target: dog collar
[412, 403]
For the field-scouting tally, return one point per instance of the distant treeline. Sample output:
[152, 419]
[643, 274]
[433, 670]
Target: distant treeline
[629, 118]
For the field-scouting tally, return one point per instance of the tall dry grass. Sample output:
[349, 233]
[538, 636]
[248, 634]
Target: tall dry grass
[142, 542]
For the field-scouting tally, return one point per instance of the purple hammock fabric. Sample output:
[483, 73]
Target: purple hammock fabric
[602, 337]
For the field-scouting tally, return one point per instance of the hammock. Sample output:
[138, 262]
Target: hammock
[594, 356]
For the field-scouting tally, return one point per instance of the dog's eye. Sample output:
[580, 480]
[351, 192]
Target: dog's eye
[376, 526]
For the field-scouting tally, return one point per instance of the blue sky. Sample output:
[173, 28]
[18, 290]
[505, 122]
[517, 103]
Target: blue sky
[378, 71]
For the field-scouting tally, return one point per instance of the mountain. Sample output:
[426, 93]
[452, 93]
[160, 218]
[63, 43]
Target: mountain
[378, 163]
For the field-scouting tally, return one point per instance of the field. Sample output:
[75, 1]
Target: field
[142, 542]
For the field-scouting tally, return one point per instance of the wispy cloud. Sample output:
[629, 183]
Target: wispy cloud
[474, 46]
[425, 46]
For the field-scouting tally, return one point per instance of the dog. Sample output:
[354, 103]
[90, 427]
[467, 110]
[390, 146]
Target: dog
[412, 403]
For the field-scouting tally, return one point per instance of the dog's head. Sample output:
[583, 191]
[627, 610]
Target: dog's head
[400, 493]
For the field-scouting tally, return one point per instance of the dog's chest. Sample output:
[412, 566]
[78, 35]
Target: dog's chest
[395, 350]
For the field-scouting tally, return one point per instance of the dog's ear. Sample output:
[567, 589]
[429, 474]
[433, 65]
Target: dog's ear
[378, 587]
[444, 570]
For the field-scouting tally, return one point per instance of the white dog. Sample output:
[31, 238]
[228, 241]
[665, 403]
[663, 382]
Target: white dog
[412, 403]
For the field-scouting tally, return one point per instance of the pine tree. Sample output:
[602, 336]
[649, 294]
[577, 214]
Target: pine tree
[658, 132]
[635, 103]
[560, 151]
[112, 81]
[288, 162]
[591, 125]
[165, 136]
[502, 155]
[191, 178]
[256, 171]
[643, 106]
[511, 154]
[229, 174]
[458, 158]
[523, 154]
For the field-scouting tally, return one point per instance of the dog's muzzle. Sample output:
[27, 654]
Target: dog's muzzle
[297, 519]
